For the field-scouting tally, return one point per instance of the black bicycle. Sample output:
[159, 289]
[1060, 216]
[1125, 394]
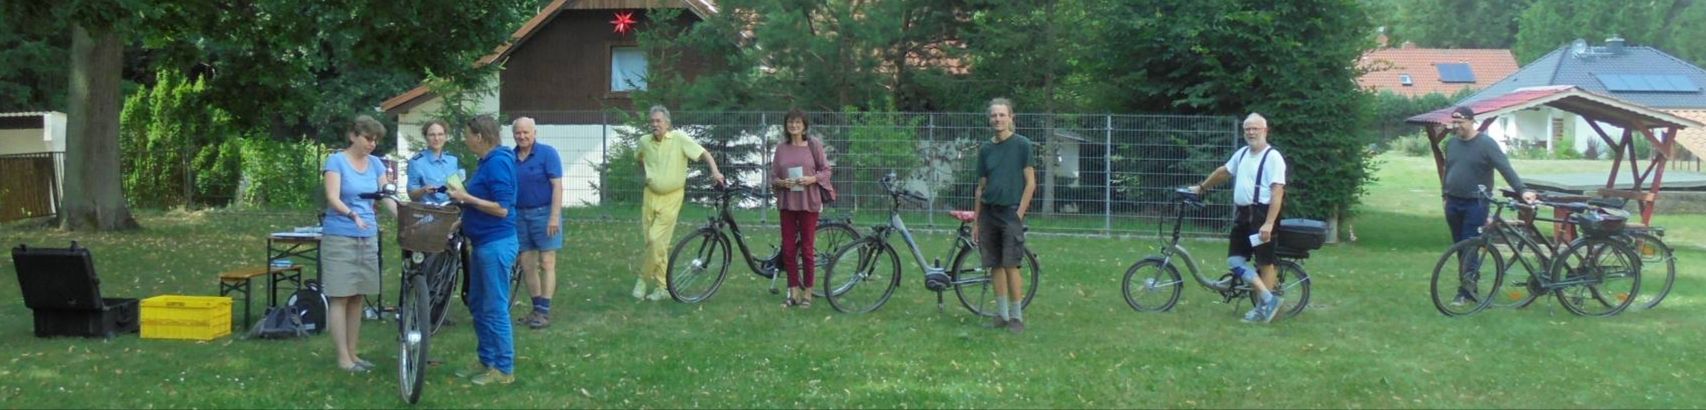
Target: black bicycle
[1598, 274]
[699, 262]
[1153, 284]
[863, 275]
[1648, 242]
[434, 252]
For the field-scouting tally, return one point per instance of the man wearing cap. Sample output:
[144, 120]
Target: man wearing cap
[1469, 163]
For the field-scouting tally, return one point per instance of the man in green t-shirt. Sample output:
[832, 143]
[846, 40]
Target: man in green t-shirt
[1005, 181]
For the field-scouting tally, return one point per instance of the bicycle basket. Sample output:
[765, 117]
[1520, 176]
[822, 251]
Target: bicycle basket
[426, 228]
[1599, 223]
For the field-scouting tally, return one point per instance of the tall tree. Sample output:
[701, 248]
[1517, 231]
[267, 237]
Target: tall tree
[270, 61]
[1292, 61]
[1029, 50]
[814, 55]
[1674, 26]
[1458, 23]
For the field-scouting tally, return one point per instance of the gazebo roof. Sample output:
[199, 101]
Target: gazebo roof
[1568, 98]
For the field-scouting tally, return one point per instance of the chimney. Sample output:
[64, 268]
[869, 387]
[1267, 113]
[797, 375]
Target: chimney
[1614, 44]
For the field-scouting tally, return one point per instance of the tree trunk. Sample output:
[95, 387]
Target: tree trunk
[1052, 144]
[94, 198]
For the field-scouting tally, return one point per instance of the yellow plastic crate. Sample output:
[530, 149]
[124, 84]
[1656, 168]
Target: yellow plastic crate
[186, 317]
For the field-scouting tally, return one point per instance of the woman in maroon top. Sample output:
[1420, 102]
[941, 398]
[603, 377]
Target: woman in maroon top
[797, 170]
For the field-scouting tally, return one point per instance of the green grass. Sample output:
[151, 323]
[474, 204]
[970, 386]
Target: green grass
[1370, 338]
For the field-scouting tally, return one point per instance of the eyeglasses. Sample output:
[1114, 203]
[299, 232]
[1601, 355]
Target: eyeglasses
[1254, 128]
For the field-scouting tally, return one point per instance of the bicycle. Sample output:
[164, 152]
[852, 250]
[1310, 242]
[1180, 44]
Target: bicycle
[433, 251]
[1578, 273]
[699, 262]
[861, 261]
[1648, 242]
[1153, 284]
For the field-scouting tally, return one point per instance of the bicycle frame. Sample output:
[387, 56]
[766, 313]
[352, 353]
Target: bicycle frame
[724, 220]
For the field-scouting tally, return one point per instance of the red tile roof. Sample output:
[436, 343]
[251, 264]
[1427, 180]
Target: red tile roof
[1386, 65]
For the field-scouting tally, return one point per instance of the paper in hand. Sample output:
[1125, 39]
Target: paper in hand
[796, 173]
[1256, 240]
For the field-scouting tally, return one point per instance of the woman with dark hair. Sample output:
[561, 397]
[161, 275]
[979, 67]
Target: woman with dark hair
[488, 219]
[800, 176]
[350, 240]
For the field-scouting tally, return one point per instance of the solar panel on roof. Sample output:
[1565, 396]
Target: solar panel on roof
[1648, 83]
[1455, 73]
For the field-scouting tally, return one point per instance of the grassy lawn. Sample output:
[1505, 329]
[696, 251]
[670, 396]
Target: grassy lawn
[1370, 337]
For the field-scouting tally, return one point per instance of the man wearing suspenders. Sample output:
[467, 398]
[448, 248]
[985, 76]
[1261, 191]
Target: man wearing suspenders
[1258, 182]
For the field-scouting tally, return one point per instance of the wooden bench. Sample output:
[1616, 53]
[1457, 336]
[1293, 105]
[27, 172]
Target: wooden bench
[238, 280]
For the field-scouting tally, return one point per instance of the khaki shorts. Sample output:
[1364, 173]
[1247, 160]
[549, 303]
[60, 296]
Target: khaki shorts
[350, 265]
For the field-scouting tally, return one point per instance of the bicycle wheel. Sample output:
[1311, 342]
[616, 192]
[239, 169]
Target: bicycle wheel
[1152, 285]
[412, 339]
[441, 282]
[1596, 277]
[975, 290]
[1456, 280]
[1291, 285]
[697, 266]
[861, 276]
[516, 286]
[1521, 284]
[831, 237]
[1655, 255]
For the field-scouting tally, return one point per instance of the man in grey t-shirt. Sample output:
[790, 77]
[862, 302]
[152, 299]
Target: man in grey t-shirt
[1469, 163]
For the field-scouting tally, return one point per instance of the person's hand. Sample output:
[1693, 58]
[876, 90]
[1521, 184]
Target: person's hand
[808, 180]
[554, 226]
[1530, 197]
[1195, 189]
[457, 195]
[1021, 213]
[974, 232]
[359, 224]
[1267, 232]
[718, 177]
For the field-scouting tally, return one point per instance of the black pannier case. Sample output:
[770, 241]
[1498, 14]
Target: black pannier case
[1296, 237]
[59, 285]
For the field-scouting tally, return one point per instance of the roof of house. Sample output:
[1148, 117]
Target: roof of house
[419, 94]
[1388, 66]
[1588, 67]
[1568, 98]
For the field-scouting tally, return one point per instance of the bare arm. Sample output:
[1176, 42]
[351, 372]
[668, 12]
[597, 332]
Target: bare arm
[556, 223]
[712, 162]
[1274, 206]
[1030, 187]
[1220, 175]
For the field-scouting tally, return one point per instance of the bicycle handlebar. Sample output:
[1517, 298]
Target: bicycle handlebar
[1189, 197]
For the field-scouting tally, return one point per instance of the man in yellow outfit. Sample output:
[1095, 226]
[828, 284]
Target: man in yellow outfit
[664, 158]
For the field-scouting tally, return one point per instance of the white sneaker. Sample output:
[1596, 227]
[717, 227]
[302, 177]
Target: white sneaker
[639, 289]
[659, 294]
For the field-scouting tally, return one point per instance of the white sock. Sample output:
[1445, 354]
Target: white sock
[1001, 308]
[1018, 308]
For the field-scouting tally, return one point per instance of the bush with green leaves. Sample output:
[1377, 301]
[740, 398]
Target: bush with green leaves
[279, 174]
[176, 149]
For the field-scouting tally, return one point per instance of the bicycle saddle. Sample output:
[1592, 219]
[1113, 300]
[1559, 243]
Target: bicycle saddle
[964, 216]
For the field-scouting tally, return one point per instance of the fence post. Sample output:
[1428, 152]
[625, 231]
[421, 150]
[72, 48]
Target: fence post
[930, 142]
[604, 160]
[1108, 175]
[764, 160]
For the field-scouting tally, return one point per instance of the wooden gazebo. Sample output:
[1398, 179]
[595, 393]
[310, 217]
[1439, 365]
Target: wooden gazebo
[1596, 109]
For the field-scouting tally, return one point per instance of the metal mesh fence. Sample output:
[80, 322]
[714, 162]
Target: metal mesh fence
[1096, 174]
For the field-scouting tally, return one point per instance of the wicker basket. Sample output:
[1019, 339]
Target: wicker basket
[426, 228]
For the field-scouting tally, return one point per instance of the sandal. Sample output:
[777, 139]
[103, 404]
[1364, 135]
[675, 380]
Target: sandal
[806, 303]
[789, 302]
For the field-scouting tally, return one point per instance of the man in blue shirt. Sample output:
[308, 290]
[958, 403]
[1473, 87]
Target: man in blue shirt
[429, 169]
[539, 227]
